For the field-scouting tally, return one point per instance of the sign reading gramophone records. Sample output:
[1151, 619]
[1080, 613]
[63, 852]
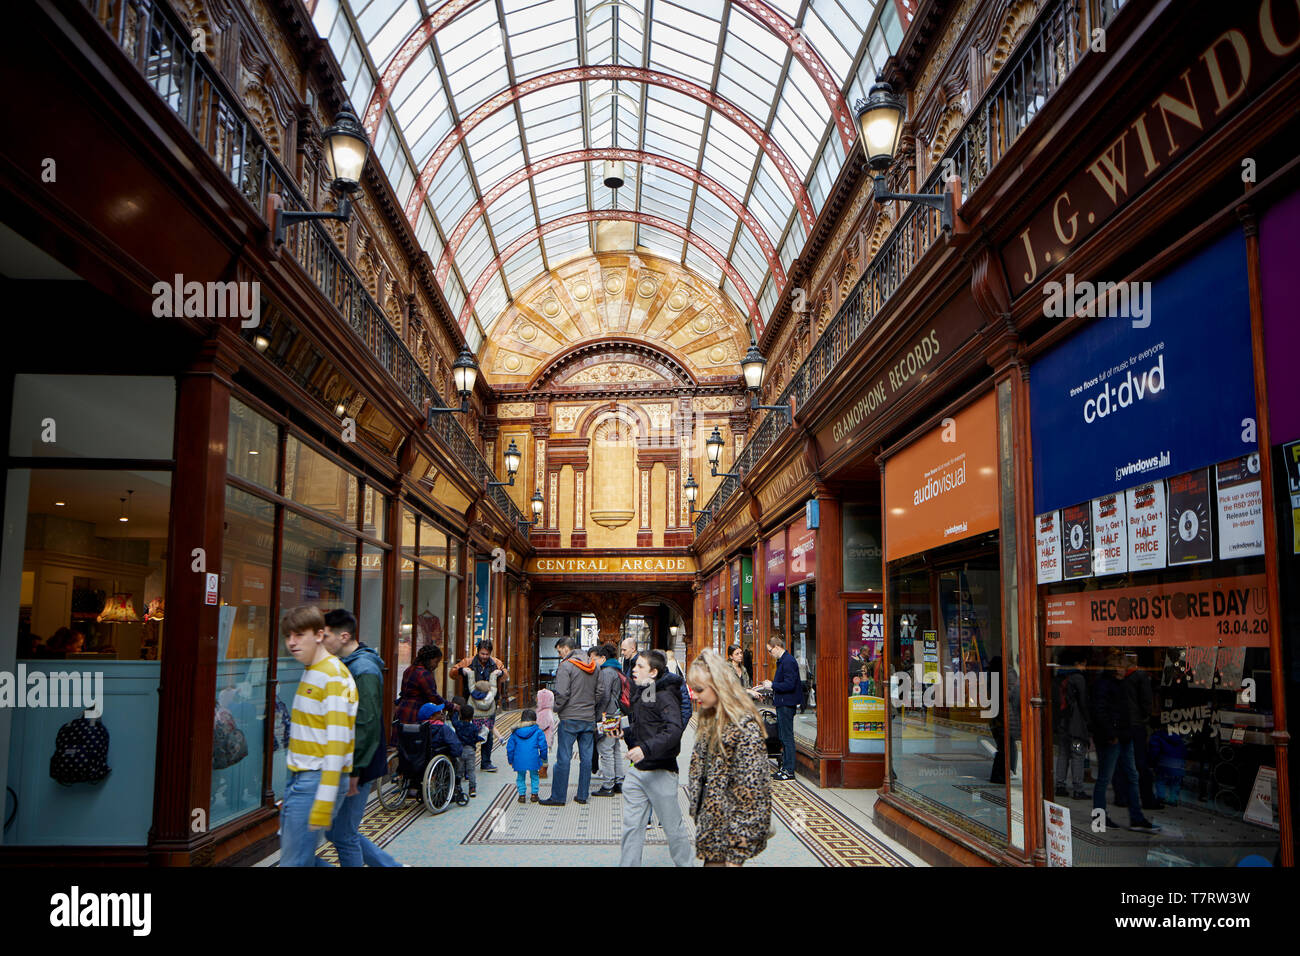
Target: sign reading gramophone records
[615, 564]
[943, 487]
[1221, 612]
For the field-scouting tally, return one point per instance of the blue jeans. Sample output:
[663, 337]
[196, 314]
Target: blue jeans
[785, 729]
[298, 841]
[584, 732]
[354, 849]
[521, 781]
[1109, 756]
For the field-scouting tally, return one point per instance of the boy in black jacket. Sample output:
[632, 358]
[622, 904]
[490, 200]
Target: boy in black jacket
[654, 739]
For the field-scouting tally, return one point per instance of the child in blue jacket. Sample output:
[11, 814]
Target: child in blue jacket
[526, 751]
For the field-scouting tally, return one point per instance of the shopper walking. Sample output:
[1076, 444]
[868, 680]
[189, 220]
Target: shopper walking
[628, 647]
[1071, 724]
[321, 731]
[730, 794]
[654, 739]
[1138, 700]
[609, 695]
[575, 705]
[370, 752]
[787, 694]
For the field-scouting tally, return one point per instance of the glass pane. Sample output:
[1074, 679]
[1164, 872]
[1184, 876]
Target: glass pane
[79, 586]
[243, 650]
[370, 620]
[431, 617]
[251, 445]
[803, 645]
[92, 416]
[408, 531]
[405, 615]
[315, 481]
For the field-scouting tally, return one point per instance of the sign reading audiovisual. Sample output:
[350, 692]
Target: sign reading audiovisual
[943, 487]
[1116, 405]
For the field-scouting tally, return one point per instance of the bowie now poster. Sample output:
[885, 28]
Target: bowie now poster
[1191, 540]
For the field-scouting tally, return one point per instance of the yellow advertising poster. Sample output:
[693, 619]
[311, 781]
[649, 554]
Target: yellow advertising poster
[866, 724]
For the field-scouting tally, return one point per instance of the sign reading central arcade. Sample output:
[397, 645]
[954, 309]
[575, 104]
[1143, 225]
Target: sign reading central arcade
[612, 564]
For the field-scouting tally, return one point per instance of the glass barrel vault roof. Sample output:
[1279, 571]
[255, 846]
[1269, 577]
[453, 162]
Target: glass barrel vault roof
[492, 119]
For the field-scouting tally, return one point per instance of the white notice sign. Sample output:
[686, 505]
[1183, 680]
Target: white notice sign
[1049, 547]
[1109, 547]
[1146, 526]
[1060, 838]
[1241, 508]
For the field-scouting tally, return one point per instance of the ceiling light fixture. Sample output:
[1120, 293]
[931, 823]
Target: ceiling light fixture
[126, 507]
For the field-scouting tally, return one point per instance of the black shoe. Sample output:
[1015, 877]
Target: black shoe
[1062, 792]
[618, 788]
[1144, 826]
[522, 798]
[604, 792]
[583, 802]
[1111, 824]
[488, 768]
[548, 802]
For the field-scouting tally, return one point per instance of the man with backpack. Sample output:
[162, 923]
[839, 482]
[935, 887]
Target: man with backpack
[1071, 723]
[613, 699]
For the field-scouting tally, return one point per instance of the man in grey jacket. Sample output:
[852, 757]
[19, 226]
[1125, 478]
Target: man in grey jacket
[575, 705]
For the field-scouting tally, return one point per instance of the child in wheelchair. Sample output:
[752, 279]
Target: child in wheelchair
[417, 744]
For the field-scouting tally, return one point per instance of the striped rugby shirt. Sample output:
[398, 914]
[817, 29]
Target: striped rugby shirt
[321, 730]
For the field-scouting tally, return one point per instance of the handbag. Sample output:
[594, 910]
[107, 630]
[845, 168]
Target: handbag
[229, 746]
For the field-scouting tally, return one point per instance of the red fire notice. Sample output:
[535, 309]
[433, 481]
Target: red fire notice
[1226, 612]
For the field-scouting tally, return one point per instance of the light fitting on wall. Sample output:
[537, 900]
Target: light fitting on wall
[512, 467]
[691, 490]
[346, 148]
[538, 505]
[752, 366]
[464, 373]
[880, 122]
[713, 446]
[261, 342]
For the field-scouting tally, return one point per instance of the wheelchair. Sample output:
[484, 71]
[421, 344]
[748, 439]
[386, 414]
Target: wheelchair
[417, 768]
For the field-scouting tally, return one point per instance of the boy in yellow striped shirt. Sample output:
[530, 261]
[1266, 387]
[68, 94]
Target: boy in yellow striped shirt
[321, 732]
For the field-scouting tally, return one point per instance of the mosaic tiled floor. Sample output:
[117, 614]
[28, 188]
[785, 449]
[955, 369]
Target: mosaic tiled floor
[507, 822]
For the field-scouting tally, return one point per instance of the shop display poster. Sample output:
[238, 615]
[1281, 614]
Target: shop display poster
[1145, 505]
[1291, 456]
[1262, 806]
[930, 657]
[1191, 540]
[1125, 401]
[1060, 838]
[1227, 612]
[1109, 537]
[1048, 537]
[1241, 507]
[1076, 530]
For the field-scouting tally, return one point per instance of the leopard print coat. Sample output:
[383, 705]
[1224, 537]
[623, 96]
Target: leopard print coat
[730, 795]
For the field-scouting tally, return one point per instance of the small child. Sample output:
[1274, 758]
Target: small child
[483, 698]
[467, 764]
[546, 719]
[526, 751]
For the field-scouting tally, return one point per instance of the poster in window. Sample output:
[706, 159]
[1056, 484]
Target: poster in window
[1146, 526]
[1109, 547]
[1048, 535]
[1262, 806]
[1241, 507]
[1191, 541]
[1076, 531]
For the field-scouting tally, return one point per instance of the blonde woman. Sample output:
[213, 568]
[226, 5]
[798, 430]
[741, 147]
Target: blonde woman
[730, 790]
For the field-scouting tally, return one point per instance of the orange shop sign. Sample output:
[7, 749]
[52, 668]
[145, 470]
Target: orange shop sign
[943, 487]
[1223, 612]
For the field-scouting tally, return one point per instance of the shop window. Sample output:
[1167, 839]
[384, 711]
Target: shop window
[316, 482]
[955, 726]
[252, 446]
[247, 634]
[82, 587]
[93, 416]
